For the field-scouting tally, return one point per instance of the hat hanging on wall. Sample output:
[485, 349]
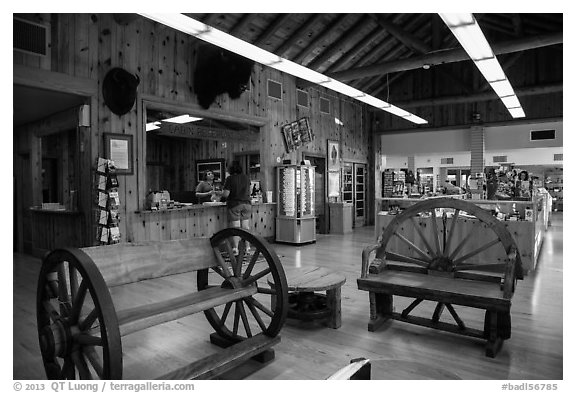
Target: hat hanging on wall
[119, 90]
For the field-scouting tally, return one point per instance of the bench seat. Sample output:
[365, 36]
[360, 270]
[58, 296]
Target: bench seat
[141, 317]
[471, 293]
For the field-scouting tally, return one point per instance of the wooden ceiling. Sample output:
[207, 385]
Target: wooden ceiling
[372, 52]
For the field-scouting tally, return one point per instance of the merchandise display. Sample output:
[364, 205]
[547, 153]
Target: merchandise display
[295, 221]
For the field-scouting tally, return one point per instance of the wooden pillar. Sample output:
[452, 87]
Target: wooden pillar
[36, 169]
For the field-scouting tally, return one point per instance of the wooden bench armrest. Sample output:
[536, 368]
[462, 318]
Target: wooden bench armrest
[366, 258]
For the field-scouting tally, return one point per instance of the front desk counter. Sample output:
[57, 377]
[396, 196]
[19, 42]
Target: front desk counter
[197, 221]
[528, 235]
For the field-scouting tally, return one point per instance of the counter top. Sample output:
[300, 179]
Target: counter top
[209, 205]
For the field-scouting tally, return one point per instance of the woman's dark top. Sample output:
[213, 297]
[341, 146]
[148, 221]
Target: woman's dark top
[239, 187]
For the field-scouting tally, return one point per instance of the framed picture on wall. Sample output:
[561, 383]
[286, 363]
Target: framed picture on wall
[119, 148]
[333, 155]
[288, 138]
[304, 128]
[215, 165]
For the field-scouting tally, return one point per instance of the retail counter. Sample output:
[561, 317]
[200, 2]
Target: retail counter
[52, 229]
[528, 235]
[197, 221]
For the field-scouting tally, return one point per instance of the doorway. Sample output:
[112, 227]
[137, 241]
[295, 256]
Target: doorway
[359, 195]
[320, 204]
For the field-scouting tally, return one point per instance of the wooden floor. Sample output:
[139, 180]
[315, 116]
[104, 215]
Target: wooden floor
[309, 350]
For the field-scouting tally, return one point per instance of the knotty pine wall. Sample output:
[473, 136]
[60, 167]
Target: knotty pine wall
[87, 46]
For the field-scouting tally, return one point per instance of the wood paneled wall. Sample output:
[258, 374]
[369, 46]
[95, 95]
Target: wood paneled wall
[89, 45]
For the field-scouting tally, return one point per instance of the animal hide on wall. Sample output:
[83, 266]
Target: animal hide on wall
[220, 71]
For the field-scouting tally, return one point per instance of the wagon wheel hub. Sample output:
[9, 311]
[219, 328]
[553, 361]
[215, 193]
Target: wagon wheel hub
[56, 339]
[443, 264]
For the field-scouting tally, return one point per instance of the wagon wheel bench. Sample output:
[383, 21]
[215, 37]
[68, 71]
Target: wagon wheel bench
[80, 329]
[433, 267]
[304, 301]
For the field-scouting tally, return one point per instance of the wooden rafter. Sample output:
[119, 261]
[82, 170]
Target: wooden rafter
[447, 56]
[340, 43]
[361, 44]
[401, 34]
[242, 23]
[334, 24]
[286, 45]
[272, 28]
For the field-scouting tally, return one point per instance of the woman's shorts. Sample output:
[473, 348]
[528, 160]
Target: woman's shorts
[240, 212]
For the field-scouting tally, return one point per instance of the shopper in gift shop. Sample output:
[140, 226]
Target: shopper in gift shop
[236, 190]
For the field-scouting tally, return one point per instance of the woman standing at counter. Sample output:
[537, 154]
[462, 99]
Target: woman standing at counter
[205, 188]
[237, 191]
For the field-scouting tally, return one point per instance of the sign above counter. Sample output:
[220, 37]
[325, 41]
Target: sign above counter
[194, 131]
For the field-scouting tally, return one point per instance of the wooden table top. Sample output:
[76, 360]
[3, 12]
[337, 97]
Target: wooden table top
[312, 278]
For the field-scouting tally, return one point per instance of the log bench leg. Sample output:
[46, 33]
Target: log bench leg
[333, 300]
[494, 338]
[381, 307]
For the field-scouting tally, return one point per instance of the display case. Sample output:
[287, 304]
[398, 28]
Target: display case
[295, 220]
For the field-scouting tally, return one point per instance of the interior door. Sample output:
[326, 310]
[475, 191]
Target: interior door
[359, 195]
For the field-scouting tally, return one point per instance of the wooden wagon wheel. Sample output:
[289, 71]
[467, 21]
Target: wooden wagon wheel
[264, 311]
[434, 247]
[77, 325]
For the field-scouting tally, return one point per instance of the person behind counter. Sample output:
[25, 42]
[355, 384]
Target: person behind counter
[205, 189]
[236, 190]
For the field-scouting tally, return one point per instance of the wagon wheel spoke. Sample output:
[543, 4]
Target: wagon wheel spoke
[450, 235]
[86, 339]
[240, 305]
[236, 320]
[260, 306]
[255, 313]
[250, 280]
[78, 301]
[477, 251]
[251, 264]
[424, 239]
[225, 272]
[403, 258]
[94, 360]
[225, 314]
[63, 294]
[412, 245]
[470, 235]
[240, 259]
[73, 282]
[89, 320]
[68, 371]
[435, 231]
[218, 270]
[81, 366]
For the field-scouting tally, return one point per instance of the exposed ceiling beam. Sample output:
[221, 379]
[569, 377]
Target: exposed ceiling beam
[319, 38]
[483, 96]
[446, 56]
[362, 43]
[337, 45]
[241, 24]
[286, 45]
[401, 35]
[271, 29]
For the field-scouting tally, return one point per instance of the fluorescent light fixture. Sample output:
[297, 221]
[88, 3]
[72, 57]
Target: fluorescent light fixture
[503, 88]
[466, 29]
[338, 121]
[152, 126]
[216, 37]
[182, 119]
[516, 112]
[511, 101]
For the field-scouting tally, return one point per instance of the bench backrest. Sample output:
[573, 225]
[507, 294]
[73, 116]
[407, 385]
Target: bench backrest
[125, 263]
